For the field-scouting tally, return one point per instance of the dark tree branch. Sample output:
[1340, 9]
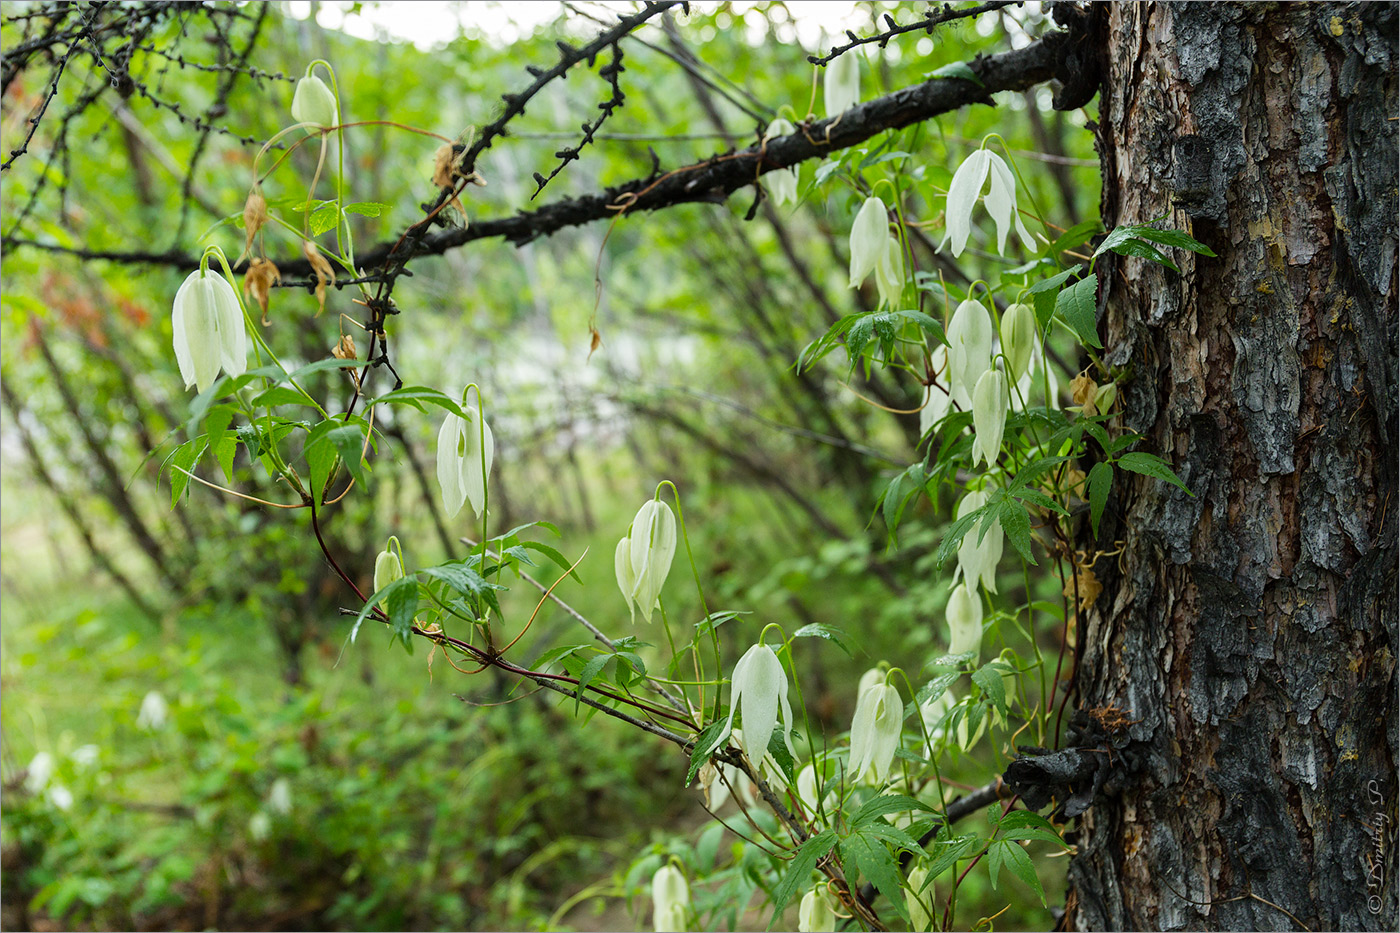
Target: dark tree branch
[932, 18]
[712, 180]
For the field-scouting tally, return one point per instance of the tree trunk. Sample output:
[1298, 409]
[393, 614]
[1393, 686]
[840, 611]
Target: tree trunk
[1250, 630]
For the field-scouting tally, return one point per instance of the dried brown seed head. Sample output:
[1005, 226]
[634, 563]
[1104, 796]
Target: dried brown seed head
[254, 217]
[323, 270]
[1083, 389]
[258, 282]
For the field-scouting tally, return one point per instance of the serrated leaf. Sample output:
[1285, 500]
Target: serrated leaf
[878, 864]
[777, 748]
[585, 677]
[1152, 465]
[366, 208]
[892, 834]
[1031, 833]
[1017, 525]
[799, 871]
[988, 677]
[1178, 238]
[1143, 250]
[1036, 497]
[829, 632]
[417, 396]
[958, 70]
[1015, 858]
[877, 807]
[954, 535]
[1077, 306]
[947, 852]
[1100, 482]
[553, 554]
[322, 366]
[396, 602]
[1077, 235]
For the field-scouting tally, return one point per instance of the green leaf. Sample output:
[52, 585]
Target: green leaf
[466, 581]
[955, 533]
[830, 632]
[1043, 295]
[958, 70]
[777, 747]
[877, 863]
[947, 852]
[321, 366]
[1017, 525]
[390, 595]
[1178, 238]
[1100, 482]
[1077, 306]
[1077, 235]
[324, 218]
[1152, 465]
[282, 395]
[1143, 250]
[799, 871]
[366, 208]
[705, 743]
[1015, 858]
[184, 457]
[877, 807]
[553, 554]
[590, 670]
[417, 396]
[988, 677]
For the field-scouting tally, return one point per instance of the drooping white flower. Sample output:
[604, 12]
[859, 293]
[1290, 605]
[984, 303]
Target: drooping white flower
[1018, 339]
[759, 692]
[870, 235]
[781, 182]
[653, 545]
[977, 561]
[808, 787]
[670, 899]
[889, 273]
[963, 192]
[988, 416]
[209, 331]
[869, 679]
[816, 913]
[969, 349]
[932, 711]
[1001, 203]
[875, 731]
[154, 712]
[465, 451]
[314, 103]
[964, 613]
[841, 84]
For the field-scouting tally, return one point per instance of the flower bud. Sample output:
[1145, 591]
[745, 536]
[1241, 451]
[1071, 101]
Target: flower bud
[816, 914]
[388, 566]
[875, 731]
[988, 416]
[870, 234]
[978, 553]
[670, 898]
[313, 103]
[652, 544]
[1105, 396]
[964, 614]
[208, 327]
[1017, 339]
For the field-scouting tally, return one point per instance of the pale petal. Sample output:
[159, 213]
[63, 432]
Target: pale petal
[1018, 338]
[988, 416]
[626, 579]
[449, 465]
[964, 613]
[202, 334]
[963, 192]
[863, 731]
[183, 299]
[1001, 198]
[889, 274]
[841, 84]
[233, 337]
[479, 452]
[870, 234]
[889, 721]
[653, 547]
[313, 102]
[969, 348]
[758, 681]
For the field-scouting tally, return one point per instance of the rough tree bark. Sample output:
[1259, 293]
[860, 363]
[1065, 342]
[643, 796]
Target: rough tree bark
[1251, 630]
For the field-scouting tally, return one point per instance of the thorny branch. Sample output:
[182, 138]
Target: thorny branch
[934, 17]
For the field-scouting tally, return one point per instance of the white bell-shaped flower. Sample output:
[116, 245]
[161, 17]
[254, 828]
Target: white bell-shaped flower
[670, 899]
[40, 770]
[816, 914]
[870, 235]
[1001, 204]
[314, 103]
[209, 331]
[780, 182]
[154, 712]
[917, 900]
[875, 731]
[465, 451]
[643, 558]
[1018, 339]
[963, 192]
[889, 273]
[759, 692]
[989, 405]
[970, 337]
[977, 561]
[964, 613]
[841, 83]
[932, 711]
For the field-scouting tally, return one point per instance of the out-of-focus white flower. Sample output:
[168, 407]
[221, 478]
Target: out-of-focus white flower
[937, 401]
[781, 182]
[279, 797]
[977, 560]
[260, 826]
[988, 416]
[208, 328]
[964, 612]
[154, 712]
[41, 768]
[870, 236]
[59, 797]
[809, 786]
[875, 731]
[314, 103]
[85, 756]
[759, 691]
[465, 452]
[1018, 339]
[917, 900]
[969, 349]
[889, 274]
[932, 712]
[816, 913]
[670, 899]
[966, 188]
[841, 83]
